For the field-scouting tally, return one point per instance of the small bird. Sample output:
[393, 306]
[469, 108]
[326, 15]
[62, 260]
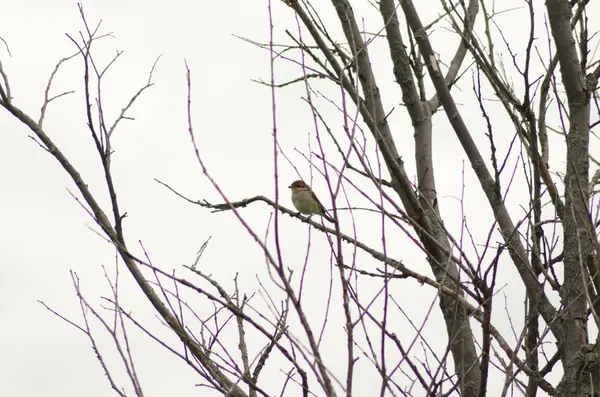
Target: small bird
[305, 200]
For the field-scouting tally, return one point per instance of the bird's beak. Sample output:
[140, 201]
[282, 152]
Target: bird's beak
[289, 187]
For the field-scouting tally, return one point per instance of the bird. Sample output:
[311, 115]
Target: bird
[306, 201]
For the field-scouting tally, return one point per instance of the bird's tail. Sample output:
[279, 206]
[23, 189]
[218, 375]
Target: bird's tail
[326, 216]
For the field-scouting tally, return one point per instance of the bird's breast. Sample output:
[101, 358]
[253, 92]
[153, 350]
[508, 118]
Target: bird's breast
[304, 203]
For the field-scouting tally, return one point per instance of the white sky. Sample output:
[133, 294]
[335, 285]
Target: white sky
[45, 233]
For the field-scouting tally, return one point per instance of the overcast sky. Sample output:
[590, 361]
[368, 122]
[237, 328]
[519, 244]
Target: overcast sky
[45, 233]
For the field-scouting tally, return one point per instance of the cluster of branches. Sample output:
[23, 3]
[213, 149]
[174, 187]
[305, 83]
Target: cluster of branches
[465, 282]
[532, 251]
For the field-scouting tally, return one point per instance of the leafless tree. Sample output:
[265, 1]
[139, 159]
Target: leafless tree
[550, 243]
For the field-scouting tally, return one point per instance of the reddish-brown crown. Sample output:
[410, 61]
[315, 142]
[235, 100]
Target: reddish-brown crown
[298, 184]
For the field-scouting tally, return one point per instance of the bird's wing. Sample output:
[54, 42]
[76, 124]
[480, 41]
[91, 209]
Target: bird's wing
[314, 197]
[321, 208]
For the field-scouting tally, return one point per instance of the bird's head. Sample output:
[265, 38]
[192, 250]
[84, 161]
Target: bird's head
[298, 185]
